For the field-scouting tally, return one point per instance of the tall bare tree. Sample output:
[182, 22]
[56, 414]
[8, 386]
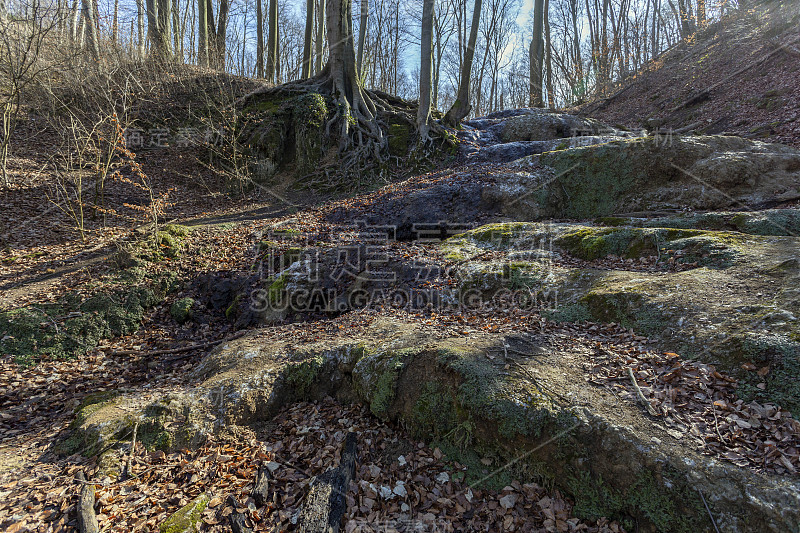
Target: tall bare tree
[259, 40]
[272, 41]
[426, 56]
[461, 107]
[307, 56]
[202, 32]
[536, 55]
[362, 35]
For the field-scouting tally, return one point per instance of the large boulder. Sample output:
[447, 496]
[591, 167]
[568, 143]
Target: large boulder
[648, 174]
[545, 126]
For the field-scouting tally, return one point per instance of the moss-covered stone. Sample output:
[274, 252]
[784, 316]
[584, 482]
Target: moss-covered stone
[182, 310]
[185, 520]
[301, 376]
[29, 333]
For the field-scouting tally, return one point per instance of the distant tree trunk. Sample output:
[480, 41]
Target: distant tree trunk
[164, 21]
[426, 55]
[73, 29]
[177, 41]
[90, 28]
[362, 35]
[202, 33]
[548, 56]
[259, 40]
[307, 40]
[536, 55]
[115, 23]
[221, 35]
[461, 107]
[319, 42]
[140, 26]
[272, 40]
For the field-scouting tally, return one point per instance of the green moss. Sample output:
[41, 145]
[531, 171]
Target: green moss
[575, 312]
[176, 230]
[399, 139]
[627, 308]
[612, 221]
[782, 355]
[309, 112]
[31, 333]
[85, 441]
[668, 506]
[515, 405]
[501, 234]
[276, 289]
[186, 519]
[233, 309]
[706, 248]
[378, 374]
[182, 310]
[301, 376]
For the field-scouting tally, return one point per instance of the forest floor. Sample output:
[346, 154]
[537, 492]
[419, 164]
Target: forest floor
[44, 262]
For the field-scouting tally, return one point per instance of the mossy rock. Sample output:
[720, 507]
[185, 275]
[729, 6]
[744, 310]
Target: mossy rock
[182, 310]
[30, 333]
[186, 519]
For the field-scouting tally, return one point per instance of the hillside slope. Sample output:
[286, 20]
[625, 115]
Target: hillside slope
[740, 75]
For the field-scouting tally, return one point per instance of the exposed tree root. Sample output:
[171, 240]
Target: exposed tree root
[360, 124]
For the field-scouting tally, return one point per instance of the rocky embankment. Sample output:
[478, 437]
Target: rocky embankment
[641, 354]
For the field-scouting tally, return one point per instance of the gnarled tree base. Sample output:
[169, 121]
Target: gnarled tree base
[372, 129]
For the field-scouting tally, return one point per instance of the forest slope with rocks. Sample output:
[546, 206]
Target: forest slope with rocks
[538, 321]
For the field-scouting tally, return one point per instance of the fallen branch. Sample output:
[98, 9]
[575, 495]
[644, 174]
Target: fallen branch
[326, 502]
[640, 395]
[181, 349]
[127, 471]
[87, 520]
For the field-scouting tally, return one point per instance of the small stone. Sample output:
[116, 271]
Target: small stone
[272, 466]
[443, 477]
[508, 501]
[400, 490]
[401, 461]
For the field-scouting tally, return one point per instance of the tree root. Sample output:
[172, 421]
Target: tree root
[359, 121]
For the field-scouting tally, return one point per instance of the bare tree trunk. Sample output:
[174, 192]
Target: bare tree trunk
[90, 28]
[272, 41]
[461, 107]
[115, 23]
[76, 13]
[221, 35]
[426, 53]
[362, 35]
[165, 28]
[140, 26]
[177, 42]
[259, 40]
[537, 55]
[319, 42]
[548, 56]
[307, 40]
[202, 33]
[701, 13]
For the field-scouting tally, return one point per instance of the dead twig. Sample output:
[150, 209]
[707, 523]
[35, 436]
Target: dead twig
[713, 522]
[640, 395]
[126, 472]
